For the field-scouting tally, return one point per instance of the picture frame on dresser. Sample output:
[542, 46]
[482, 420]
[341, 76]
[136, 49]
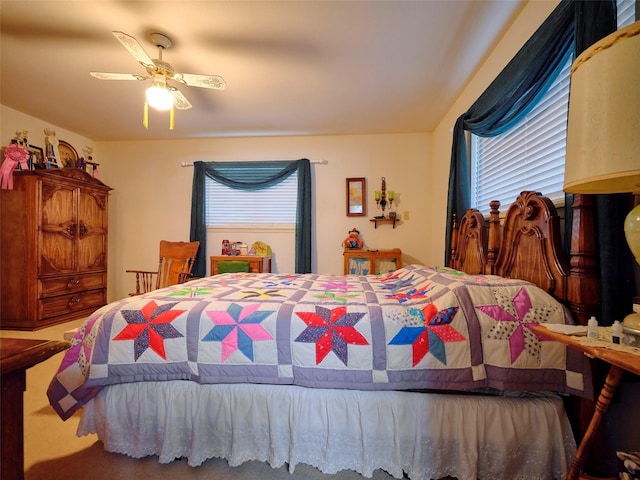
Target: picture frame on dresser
[36, 157]
[356, 197]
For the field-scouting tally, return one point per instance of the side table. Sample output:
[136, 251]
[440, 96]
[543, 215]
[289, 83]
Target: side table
[257, 264]
[16, 355]
[371, 262]
[619, 361]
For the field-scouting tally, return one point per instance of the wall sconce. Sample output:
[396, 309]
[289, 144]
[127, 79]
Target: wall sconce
[381, 197]
[384, 200]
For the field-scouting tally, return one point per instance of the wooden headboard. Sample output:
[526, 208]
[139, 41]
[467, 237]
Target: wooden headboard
[528, 246]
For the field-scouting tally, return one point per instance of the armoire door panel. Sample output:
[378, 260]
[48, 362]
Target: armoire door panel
[91, 253]
[58, 229]
[58, 205]
[92, 230]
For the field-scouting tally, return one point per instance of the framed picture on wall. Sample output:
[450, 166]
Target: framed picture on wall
[356, 197]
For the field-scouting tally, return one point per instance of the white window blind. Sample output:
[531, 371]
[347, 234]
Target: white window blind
[626, 12]
[530, 156]
[273, 205]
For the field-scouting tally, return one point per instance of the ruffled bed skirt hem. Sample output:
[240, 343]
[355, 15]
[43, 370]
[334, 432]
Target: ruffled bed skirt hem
[425, 436]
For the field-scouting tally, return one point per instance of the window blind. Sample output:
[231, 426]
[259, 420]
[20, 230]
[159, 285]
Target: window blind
[626, 12]
[229, 206]
[529, 156]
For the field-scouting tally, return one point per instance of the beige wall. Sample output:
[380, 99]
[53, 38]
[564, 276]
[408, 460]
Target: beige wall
[152, 194]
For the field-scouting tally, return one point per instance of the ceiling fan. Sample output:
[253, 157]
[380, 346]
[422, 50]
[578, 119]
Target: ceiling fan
[161, 94]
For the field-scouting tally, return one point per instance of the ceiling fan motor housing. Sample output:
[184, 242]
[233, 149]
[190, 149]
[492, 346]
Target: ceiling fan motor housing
[160, 67]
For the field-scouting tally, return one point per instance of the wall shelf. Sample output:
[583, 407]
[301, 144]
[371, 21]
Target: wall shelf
[376, 221]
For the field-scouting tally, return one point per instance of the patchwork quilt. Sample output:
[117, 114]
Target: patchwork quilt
[418, 328]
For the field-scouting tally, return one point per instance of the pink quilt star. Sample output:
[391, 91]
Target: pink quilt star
[515, 317]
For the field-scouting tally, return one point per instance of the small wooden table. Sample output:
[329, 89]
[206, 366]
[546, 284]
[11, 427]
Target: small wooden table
[619, 361]
[16, 355]
[369, 262]
[257, 264]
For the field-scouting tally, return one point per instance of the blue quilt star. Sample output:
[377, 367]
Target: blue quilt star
[398, 284]
[237, 328]
[432, 332]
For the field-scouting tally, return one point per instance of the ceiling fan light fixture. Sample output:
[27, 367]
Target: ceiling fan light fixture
[159, 96]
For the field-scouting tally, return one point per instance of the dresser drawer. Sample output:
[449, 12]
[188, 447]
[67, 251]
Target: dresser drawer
[49, 287]
[65, 304]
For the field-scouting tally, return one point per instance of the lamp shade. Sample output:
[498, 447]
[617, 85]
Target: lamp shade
[603, 136]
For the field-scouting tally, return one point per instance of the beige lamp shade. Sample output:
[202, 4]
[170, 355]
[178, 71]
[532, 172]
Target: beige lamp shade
[603, 137]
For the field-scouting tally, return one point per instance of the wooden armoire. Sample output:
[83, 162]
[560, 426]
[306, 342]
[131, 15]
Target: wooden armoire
[53, 250]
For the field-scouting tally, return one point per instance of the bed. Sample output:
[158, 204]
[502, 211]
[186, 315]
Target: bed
[425, 372]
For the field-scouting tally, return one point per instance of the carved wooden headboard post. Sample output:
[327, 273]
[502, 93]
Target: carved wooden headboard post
[494, 237]
[454, 240]
[468, 251]
[531, 248]
[584, 282]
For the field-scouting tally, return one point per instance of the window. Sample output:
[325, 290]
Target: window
[273, 205]
[532, 153]
[626, 12]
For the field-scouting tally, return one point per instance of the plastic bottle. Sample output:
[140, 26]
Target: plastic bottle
[616, 332]
[592, 328]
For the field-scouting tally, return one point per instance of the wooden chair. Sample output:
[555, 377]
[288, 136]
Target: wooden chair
[176, 262]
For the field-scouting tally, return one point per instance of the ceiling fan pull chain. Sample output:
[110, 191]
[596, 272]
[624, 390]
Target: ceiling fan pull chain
[145, 115]
[171, 117]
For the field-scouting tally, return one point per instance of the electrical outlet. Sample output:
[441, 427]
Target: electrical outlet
[405, 215]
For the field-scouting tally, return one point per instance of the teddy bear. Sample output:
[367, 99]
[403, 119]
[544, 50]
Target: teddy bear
[353, 240]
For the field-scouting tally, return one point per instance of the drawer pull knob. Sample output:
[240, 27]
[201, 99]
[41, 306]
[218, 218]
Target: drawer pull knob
[72, 283]
[73, 301]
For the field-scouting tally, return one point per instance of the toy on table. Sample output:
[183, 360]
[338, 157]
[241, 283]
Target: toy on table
[353, 240]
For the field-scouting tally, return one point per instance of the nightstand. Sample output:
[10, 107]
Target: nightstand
[619, 361]
[16, 355]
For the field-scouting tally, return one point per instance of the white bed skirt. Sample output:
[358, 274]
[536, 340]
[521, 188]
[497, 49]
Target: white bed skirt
[428, 436]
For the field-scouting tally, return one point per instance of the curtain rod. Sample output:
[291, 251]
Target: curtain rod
[316, 162]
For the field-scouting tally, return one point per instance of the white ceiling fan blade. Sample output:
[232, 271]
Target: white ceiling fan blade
[117, 76]
[134, 48]
[180, 101]
[206, 81]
